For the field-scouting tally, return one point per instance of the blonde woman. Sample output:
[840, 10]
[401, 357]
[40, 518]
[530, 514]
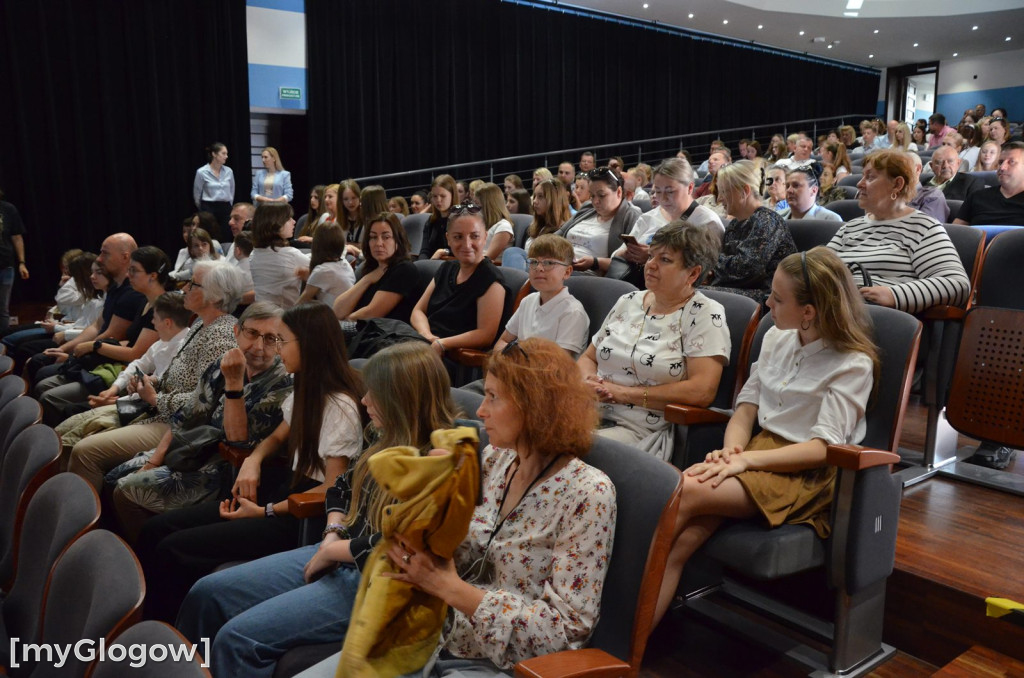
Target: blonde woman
[272, 183]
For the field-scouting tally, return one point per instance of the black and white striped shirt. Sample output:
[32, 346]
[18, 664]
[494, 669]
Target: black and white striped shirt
[913, 255]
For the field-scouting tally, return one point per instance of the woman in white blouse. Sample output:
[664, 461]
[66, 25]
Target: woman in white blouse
[273, 263]
[272, 183]
[809, 388]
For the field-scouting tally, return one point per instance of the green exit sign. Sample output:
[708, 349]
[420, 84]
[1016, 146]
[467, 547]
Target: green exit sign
[289, 93]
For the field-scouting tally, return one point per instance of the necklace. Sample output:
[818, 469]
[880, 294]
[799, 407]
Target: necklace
[643, 324]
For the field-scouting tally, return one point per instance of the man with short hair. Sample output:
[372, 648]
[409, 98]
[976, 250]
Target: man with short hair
[979, 111]
[719, 159]
[1002, 204]
[587, 161]
[939, 129]
[890, 137]
[948, 178]
[743, 148]
[929, 199]
[716, 145]
[999, 113]
[566, 174]
[634, 186]
[869, 140]
[801, 154]
[240, 220]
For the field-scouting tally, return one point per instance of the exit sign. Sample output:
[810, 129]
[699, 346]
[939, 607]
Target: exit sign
[289, 93]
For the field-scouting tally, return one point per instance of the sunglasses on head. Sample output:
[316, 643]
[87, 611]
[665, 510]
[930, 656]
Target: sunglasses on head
[465, 207]
[605, 174]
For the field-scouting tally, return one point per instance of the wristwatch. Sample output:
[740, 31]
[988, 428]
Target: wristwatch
[234, 395]
[270, 509]
[96, 345]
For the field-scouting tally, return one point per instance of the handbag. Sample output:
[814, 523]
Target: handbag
[191, 449]
[379, 333]
[131, 408]
[856, 267]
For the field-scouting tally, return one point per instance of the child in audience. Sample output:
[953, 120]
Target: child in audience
[550, 312]
[243, 248]
[330, 273]
[306, 595]
[497, 220]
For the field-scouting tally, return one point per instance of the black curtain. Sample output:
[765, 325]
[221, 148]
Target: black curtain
[400, 84]
[108, 107]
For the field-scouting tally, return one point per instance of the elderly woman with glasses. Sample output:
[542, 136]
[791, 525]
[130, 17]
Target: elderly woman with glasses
[666, 345]
[596, 230]
[463, 305]
[213, 294]
[901, 258]
[801, 193]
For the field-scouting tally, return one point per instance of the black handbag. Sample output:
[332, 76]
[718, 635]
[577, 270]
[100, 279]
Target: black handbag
[379, 333]
[191, 449]
[129, 409]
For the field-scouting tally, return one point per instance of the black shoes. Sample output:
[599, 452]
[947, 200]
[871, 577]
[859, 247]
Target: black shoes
[992, 456]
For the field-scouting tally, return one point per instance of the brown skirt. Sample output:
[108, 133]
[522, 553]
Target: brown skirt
[801, 497]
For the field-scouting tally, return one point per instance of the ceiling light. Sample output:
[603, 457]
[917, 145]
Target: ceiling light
[760, 26]
[915, 44]
[646, 5]
[801, 32]
[830, 47]
[851, 14]
[974, 28]
[1007, 38]
[871, 56]
[691, 15]
[876, 31]
[955, 53]
[854, 4]
[725, 21]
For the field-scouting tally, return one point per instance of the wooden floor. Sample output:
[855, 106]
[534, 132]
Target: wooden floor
[958, 544]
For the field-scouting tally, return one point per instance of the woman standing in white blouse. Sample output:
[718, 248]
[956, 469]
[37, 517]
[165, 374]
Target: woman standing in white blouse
[808, 389]
[273, 262]
[214, 187]
[272, 183]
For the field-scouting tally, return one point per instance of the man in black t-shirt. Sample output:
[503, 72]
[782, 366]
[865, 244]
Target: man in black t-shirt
[12, 255]
[1001, 205]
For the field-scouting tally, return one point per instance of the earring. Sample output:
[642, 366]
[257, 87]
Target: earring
[894, 195]
[808, 322]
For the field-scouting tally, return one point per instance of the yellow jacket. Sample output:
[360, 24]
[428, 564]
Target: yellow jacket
[395, 626]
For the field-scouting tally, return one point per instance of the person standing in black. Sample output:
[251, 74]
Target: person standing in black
[12, 255]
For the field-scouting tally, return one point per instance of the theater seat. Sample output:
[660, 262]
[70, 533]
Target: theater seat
[847, 209]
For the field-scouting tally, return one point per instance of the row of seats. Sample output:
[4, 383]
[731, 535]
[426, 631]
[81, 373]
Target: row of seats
[63, 580]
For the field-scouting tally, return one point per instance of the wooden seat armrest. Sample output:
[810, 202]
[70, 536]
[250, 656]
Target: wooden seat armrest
[857, 458]
[470, 357]
[943, 313]
[234, 455]
[306, 504]
[687, 415]
[589, 662]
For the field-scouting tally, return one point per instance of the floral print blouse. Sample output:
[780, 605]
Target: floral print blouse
[544, 568]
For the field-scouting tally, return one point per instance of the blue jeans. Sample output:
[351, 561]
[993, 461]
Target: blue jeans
[257, 611]
[15, 338]
[514, 257]
[6, 284]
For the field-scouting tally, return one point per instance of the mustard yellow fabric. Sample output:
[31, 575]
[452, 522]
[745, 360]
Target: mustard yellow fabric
[395, 627]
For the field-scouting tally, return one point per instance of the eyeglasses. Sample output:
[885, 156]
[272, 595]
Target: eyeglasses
[768, 181]
[192, 283]
[132, 270]
[271, 341]
[514, 344]
[546, 264]
[466, 207]
[605, 174]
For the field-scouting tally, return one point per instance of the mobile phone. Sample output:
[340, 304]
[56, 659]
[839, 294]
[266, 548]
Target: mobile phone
[138, 374]
[628, 239]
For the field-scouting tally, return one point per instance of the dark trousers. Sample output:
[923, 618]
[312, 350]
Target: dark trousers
[222, 212]
[179, 547]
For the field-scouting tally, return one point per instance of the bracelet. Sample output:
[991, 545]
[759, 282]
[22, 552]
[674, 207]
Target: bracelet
[336, 528]
[234, 395]
[438, 342]
[594, 266]
[645, 397]
[269, 510]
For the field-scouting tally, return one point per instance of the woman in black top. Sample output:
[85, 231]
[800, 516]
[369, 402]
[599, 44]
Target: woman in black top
[463, 304]
[388, 281]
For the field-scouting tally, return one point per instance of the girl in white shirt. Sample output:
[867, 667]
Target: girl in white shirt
[809, 388]
[500, 234]
[273, 263]
[330, 274]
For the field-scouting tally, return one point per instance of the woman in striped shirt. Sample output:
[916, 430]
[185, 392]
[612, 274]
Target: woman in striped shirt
[900, 257]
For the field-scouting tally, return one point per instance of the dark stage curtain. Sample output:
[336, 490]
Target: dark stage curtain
[401, 84]
[108, 107]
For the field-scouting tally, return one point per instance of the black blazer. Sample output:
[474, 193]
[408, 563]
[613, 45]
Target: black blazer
[961, 186]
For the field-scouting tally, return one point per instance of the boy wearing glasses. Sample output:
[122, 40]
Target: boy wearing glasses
[550, 312]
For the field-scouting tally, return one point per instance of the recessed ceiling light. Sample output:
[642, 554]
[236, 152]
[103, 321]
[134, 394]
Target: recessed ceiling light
[760, 26]
[871, 56]
[646, 5]
[876, 31]
[725, 21]
[854, 4]
[830, 47]
[691, 15]
[915, 44]
[1007, 38]
[974, 28]
[956, 54]
[801, 32]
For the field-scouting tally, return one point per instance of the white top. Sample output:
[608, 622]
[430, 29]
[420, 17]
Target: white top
[332, 278]
[816, 212]
[245, 266]
[635, 348]
[970, 155]
[913, 255]
[589, 237]
[90, 311]
[641, 194]
[208, 186]
[154, 361]
[341, 432]
[562, 320]
[806, 392]
[273, 274]
[69, 300]
[654, 220]
[503, 226]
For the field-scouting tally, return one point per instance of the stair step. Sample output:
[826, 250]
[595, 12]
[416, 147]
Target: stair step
[982, 662]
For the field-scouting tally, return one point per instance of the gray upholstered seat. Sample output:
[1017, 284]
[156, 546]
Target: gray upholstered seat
[15, 417]
[847, 209]
[151, 634]
[414, 225]
[11, 387]
[809, 233]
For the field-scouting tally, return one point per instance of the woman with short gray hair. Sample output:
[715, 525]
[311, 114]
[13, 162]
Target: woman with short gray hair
[223, 284]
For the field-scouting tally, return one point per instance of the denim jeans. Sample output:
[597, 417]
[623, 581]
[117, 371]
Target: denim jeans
[514, 257]
[6, 283]
[257, 611]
